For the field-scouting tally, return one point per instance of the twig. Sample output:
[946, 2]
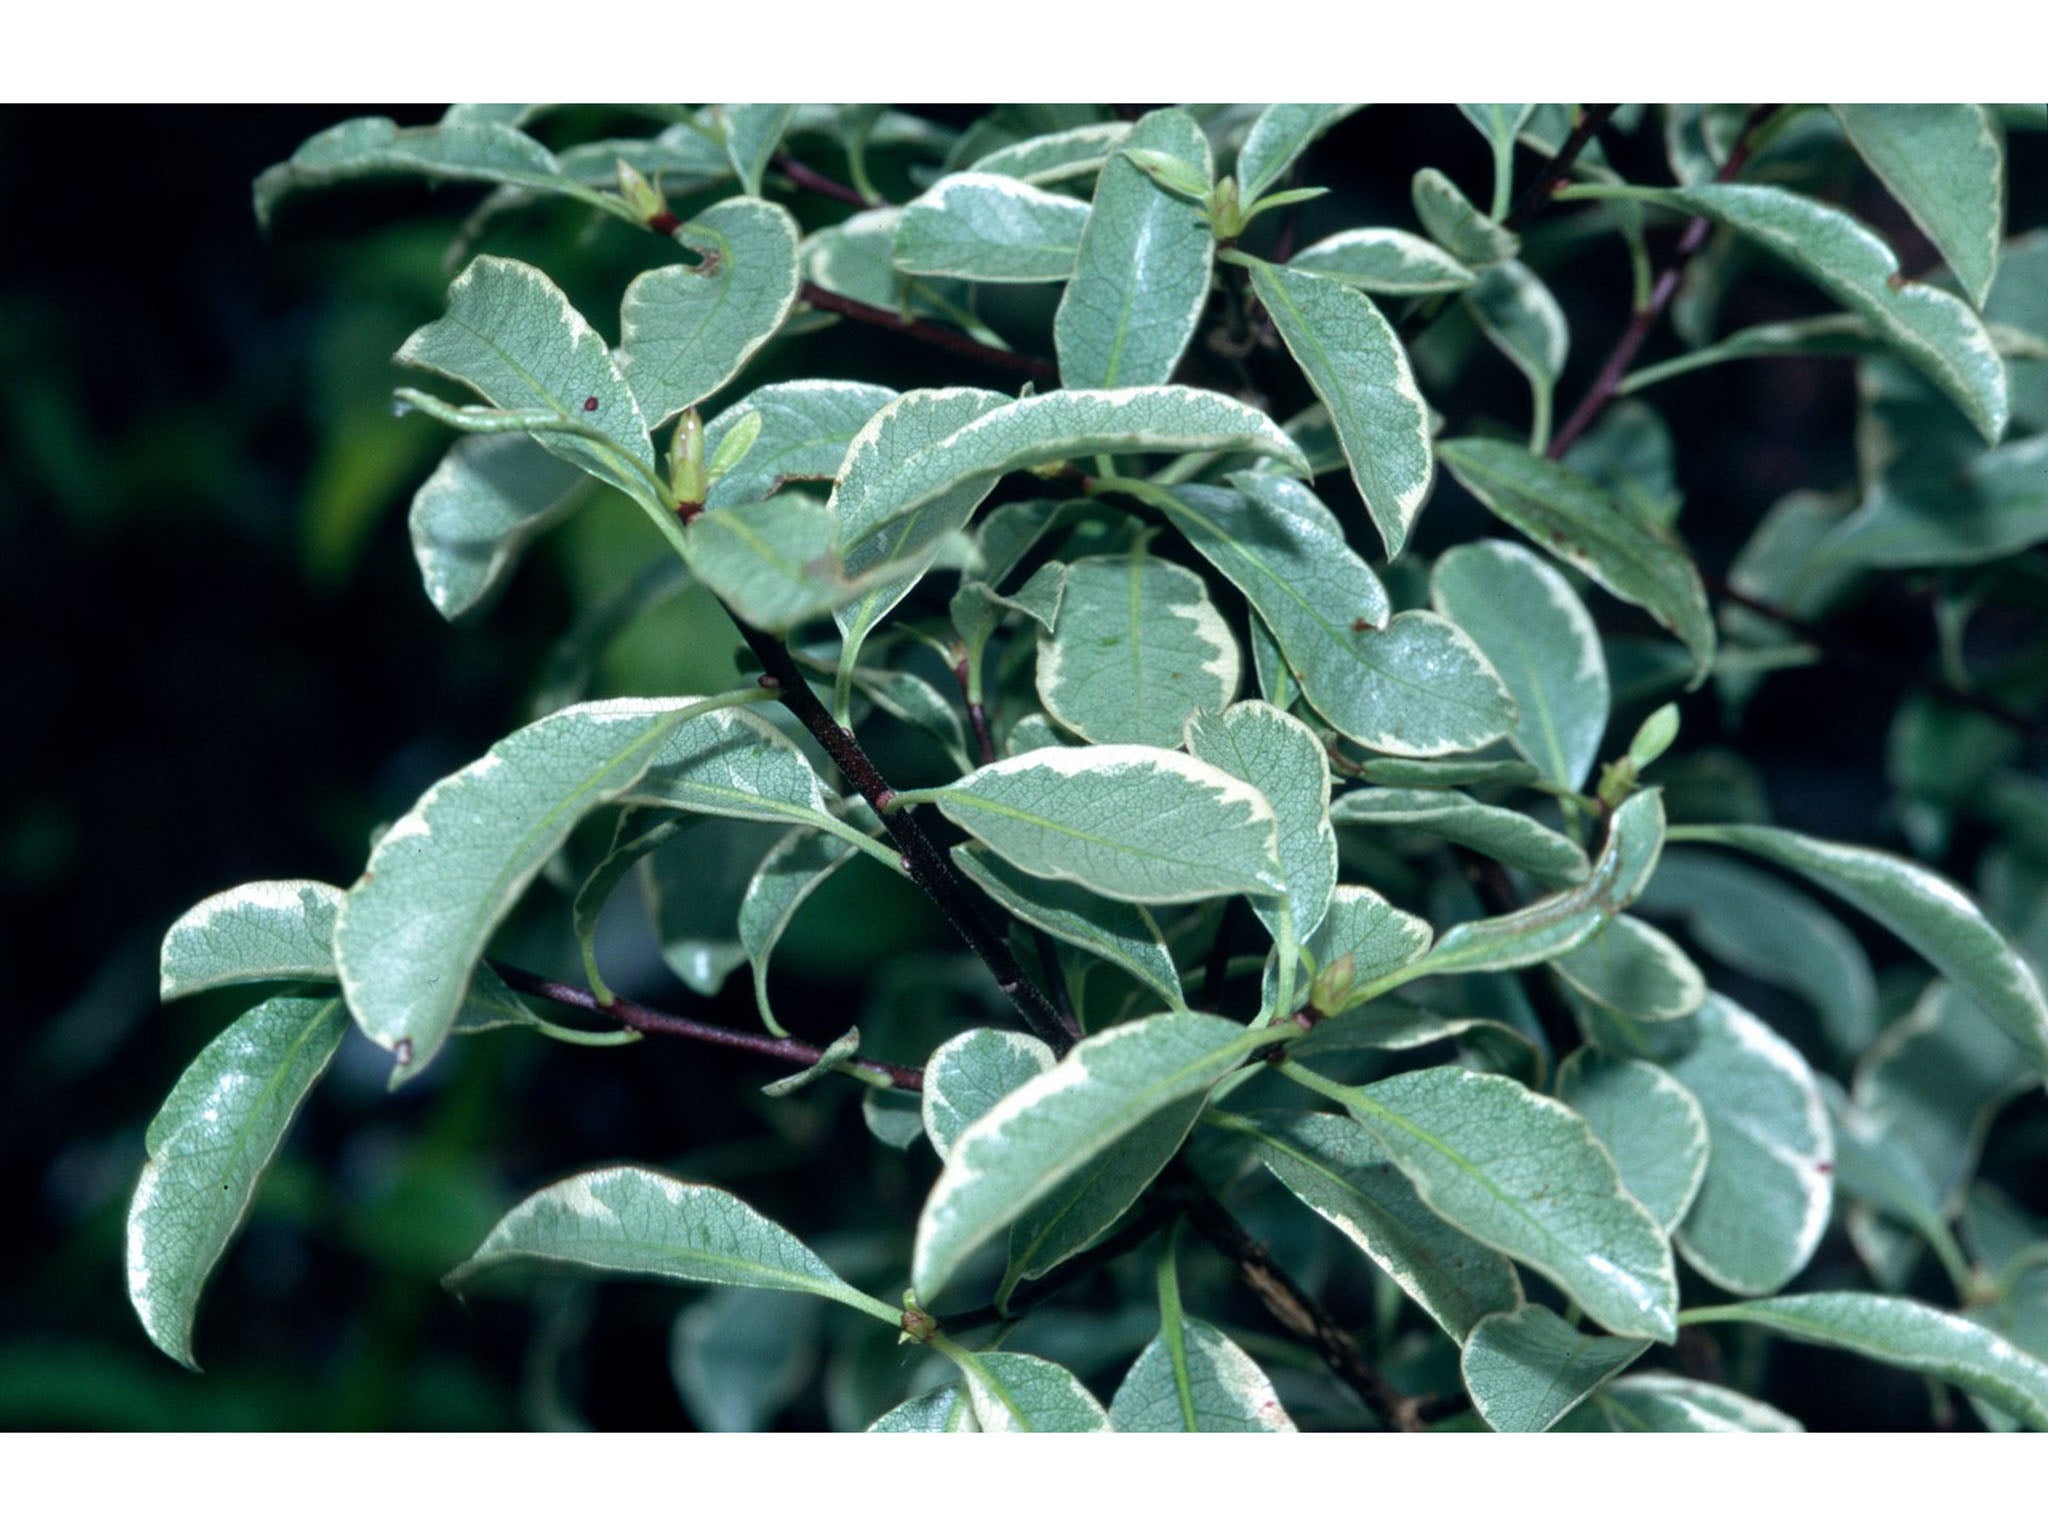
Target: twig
[1607, 383]
[817, 181]
[922, 859]
[923, 330]
[650, 1021]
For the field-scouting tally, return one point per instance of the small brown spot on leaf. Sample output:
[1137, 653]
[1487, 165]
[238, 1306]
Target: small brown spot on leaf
[590, 402]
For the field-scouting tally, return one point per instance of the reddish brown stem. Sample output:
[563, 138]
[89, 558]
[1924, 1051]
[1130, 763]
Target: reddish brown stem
[925, 331]
[817, 181]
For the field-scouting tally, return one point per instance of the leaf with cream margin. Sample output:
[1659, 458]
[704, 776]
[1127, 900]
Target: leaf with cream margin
[806, 426]
[1278, 137]
[1634, 970]
[1135, 822]
[1652, 1402]
[266, 930]
[1520, 316]
[1014, 1393]
[1945, 163]
[490, 497]
[973, 1072]
[1284, 760]
[1120, 932]
[990, 229]
[753, 131]
[941, 1411]
[785, 880]
[209, 1146]
[1528, 1368]
[1518, 841]
[447, 151]
[1385, 261]
[1047, 159]
[1650, 1123]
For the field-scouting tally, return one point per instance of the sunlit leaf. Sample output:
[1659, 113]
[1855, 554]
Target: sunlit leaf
[266, 930]
[990, 229]
[1650, 1123]
[1528, 1368]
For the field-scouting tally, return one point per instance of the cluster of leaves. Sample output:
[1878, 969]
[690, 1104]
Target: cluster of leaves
[1451, 1023]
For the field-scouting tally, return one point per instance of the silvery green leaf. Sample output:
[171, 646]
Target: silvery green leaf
[1194, 1379]
[907, 697]
[1937, 332]
[1882, 1173]
[1932, 1083]
[1527, 1177]
[1030, 733]
[1446, 773]
[1137, 648]
[830, 1059]
[1359, 370]
[1338, 1171]
[1135, 822]
[752, 134]
[208, 1148]
[266, 930]
[740, 1357]
[1945, 163]
[1814, 336]
[794, 868]
[973, 1072]
[1278, 137]
[1769, 1184]
[731, 762]
[1908, 1334]
[1520, 316]
[941, 1411]
[855, 258]
[439, 880]
[1538, 636]
[1285, 761]
[1634, 970]
[1499, 123]
[638, 834]
[1921, 909]
[1521, 842]
[1089, 1201]
[1635, 558]
[1484, 1045]
[1651, 1402]
[1559, 924]
[775, 563]
[511, 335]
[634, 1221]
[687, 329]
[1120, 932]
[693, 885]
[1385, 261]
[1022, 1393]
[1276, 683]
[489, 498]
[1050, 158]
[1377, 936]
[1019, 1152]
[990, 229]
[376, 146]
[1650, 1123]
[1991, 504]
[1756, 923]
[1449, 219]
[893, 1117]
[1528, 1368]
[1141, 275]
[806, 427]
[1038, 598]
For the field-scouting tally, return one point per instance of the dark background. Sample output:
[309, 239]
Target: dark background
[219, 666]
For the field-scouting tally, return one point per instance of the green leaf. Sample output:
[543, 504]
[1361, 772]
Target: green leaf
[731, 762]
[973, 1072]
[775, 563]
[1449, 773]
[693, 885]
[634, 1221]
[1385, 261]
[1089, 1201]
[806, 428]
[266, 930]
[1141, 275]
[1907, 1334]
[1118, 931]
[1519, 316]
[1525, 1176]
[1377, 937]
[1138, 647]
[1632, 969]
[793, 870]
[941, 1411]
[1018, 1153]
[1134, 822]
[472, 520]
[637, 835]
[1538, 636]
[1194, 1379]
[1945, 163]
[1021, 1393]
[1337, 1170]
[1632, 556]
[740, 1357]
[511, 335]
[1284, 760]
[1528, 1368]
[687, 329]
[1650, 1123]
[1651, 1402]
[1561, 923]
[892, 1116]
[376, 146]
[1499, 123]
[1935, 331]
[1359, 370]
[1453, 223]
[1990, 504]
[1757, 924]
[208, 1148]
[439, 880]
[1923, 910]
[990, 229]
[1050, 158]
[1521, 842]
[1769, 1185]
[1278, 137]
[752, 135]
